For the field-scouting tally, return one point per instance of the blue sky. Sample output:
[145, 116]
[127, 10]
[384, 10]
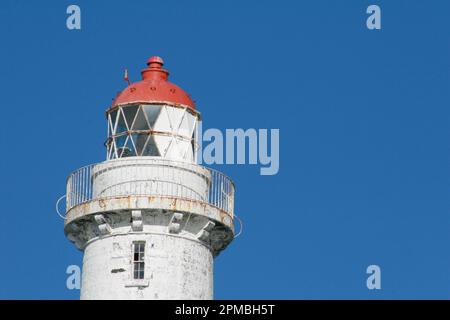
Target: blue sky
[364, 121]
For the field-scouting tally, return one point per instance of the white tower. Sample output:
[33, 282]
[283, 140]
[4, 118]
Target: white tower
[149, 219]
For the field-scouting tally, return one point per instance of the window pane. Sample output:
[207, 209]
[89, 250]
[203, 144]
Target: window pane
[139, 142]
[163, 143]
[152, 112]
[121, 125]
[150, 148]
[174, 115]
[120, 142]
[138, 260]
[113, 116]
[130, 113]
[140, 123]
[112, 151]
[128, 149]
[187, 124]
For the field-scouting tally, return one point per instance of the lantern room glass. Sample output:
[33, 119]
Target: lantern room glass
[154, 130]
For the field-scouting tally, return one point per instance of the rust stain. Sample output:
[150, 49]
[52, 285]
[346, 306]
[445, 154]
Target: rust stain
[173, 204]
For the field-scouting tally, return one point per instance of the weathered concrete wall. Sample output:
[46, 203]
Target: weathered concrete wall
[150, 176]
[163, 203]
[177, 265]
[175, 268]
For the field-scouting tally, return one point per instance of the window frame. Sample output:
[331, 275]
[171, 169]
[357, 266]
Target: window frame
[138, 260]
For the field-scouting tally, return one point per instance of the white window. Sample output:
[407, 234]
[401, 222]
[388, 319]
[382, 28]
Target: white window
[138, 259]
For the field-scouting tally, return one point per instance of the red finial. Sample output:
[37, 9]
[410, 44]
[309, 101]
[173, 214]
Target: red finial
[155, 60]
[155, 70]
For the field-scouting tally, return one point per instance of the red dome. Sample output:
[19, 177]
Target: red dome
[154, 87]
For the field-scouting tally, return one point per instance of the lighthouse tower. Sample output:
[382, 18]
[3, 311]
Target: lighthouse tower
[149, 220]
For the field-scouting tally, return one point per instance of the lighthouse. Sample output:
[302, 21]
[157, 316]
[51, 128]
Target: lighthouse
[149, 219]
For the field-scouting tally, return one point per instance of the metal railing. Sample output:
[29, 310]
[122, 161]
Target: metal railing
[80, 185]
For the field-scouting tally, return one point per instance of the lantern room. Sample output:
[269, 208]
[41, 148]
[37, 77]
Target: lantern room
[153, 118]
